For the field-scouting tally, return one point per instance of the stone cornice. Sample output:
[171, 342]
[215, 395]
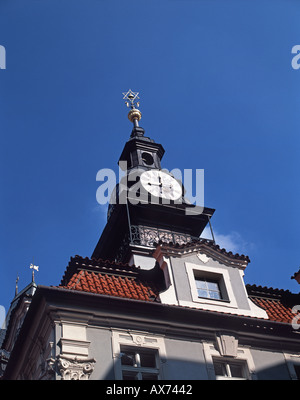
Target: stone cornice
[211, 250]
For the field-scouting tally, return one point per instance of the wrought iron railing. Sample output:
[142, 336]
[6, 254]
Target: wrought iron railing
[147, 236]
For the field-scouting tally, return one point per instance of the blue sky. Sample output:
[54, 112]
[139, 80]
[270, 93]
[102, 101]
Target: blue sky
[217, 90]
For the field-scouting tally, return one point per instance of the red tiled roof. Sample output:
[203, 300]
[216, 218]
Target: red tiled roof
[127, 281]
[275, 310]
[276, 302]
[130, 288]
[107, 278]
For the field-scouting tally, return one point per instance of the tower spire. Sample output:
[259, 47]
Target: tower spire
[17, 289]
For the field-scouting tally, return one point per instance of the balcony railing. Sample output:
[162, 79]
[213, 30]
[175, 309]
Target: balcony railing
[146, 236]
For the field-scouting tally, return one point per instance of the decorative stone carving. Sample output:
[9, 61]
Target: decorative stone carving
[72, 368]
[227, 345]
[139, 340]
[203, 257]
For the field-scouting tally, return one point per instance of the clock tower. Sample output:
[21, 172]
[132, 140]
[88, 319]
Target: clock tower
[148, 205]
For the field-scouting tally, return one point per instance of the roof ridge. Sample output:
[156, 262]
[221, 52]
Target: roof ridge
[101, 260]
[254, 289]
[205, 242]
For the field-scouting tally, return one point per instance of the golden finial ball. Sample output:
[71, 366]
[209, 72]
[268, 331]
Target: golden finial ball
[134, 114]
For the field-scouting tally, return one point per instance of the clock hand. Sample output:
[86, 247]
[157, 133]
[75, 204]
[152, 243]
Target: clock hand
[154, 184]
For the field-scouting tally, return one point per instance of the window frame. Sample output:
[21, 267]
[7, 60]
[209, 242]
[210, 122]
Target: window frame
[138, 341]
[297, 370]
[138, 369]
[220, 275]
[292, 361]
[243, 356]
[228, 362]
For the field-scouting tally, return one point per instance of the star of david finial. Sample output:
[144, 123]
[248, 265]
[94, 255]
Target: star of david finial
[131, 98]
[134, 114]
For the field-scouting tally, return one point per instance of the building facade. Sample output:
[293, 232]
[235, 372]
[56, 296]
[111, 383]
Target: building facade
[155, 301]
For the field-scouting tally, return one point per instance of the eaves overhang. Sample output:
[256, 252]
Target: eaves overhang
[58, 303]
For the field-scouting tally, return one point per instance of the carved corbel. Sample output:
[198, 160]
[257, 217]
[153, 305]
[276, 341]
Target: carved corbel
[72, 368]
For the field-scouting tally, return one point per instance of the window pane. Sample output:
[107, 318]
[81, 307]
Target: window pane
[236, 370]
[130, 376]
[201, 284]
[214, 295]
[208, 289]
[149, 377]
[203, 293]
[148, 360]
[220, 368]
[213, 286]
[128, 358]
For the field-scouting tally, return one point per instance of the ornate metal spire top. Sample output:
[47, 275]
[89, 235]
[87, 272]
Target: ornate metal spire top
[34, 268]
[131, 100]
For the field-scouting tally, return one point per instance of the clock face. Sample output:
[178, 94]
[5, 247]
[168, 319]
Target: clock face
[161, 184]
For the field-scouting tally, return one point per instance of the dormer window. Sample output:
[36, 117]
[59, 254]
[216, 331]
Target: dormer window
[208, 288]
